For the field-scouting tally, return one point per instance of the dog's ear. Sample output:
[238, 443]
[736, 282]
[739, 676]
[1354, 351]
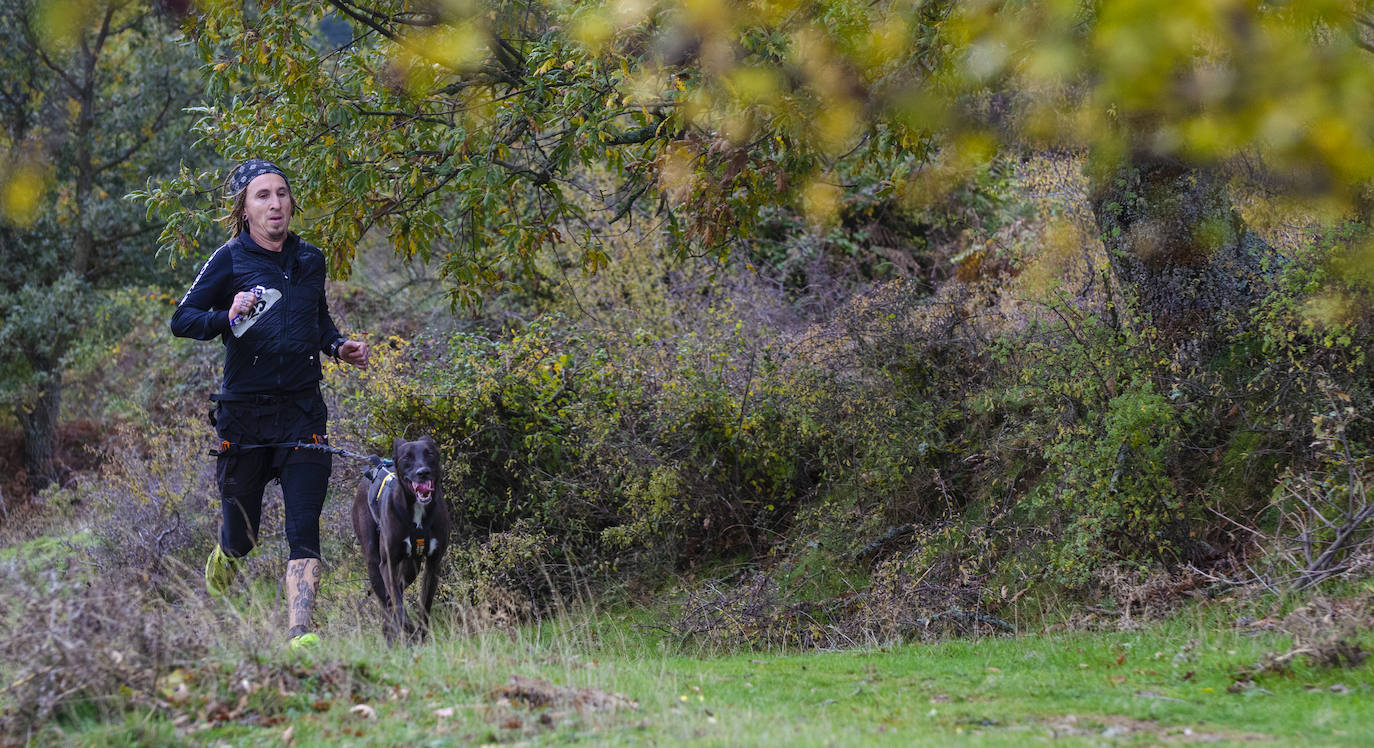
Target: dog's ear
[427, 439]
[396, 447]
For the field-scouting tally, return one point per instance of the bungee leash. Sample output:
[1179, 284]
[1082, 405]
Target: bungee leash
[376, 461]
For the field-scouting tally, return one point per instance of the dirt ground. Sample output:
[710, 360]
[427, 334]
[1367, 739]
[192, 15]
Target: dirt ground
[74, 454]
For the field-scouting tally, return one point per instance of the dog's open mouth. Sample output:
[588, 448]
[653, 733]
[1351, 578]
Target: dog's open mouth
[424, 491]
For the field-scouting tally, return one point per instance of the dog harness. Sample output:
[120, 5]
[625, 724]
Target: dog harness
[416, 540]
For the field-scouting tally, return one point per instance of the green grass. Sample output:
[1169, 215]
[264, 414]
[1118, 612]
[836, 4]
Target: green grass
[1174, 681]
[48, 551]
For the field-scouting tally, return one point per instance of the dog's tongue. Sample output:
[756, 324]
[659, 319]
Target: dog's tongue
[424, 491]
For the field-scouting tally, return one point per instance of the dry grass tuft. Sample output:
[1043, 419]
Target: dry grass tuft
[94, 644]
[537, 693]
[754, 611]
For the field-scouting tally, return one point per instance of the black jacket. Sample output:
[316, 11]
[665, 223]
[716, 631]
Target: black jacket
[280, 352]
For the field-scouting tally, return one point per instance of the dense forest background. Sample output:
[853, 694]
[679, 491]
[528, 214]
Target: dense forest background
[831, 321]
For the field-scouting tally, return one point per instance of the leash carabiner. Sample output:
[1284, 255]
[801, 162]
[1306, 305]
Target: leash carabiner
[224, 449]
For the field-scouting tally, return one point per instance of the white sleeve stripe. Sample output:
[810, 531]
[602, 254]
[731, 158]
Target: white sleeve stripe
[203, 268]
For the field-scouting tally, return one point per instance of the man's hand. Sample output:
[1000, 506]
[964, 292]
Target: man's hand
[244, 301]
[354, 352]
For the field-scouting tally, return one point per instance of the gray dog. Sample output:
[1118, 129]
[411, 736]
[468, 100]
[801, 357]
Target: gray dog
[402, 523]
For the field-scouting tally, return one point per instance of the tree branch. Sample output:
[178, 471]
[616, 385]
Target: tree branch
[358, 16]
[540, 178]
[638, 135]
[139, 143]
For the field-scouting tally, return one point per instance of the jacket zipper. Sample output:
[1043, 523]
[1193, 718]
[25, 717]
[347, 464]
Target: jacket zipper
[285, 308]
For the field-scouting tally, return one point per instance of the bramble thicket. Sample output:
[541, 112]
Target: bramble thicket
[809, 324]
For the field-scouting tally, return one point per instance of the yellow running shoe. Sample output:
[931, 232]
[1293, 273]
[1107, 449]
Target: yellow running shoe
[220, 570]
[301, 639]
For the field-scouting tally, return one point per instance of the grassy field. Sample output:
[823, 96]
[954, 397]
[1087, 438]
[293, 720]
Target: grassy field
[1199, 676]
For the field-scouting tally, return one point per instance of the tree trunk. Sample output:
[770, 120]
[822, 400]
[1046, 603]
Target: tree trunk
[39, 422]
[1176, 244]
[39, 417]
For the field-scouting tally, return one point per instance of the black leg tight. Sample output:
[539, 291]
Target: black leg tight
[304, 477]
[303, 486]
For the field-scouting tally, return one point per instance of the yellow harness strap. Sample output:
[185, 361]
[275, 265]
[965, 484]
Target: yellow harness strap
[375, 504]
[382, 486]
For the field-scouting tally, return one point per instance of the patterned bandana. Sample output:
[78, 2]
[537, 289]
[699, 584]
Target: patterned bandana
[250, 170]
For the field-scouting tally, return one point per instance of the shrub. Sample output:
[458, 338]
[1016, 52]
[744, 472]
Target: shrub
[593, 453]
[1110, 486]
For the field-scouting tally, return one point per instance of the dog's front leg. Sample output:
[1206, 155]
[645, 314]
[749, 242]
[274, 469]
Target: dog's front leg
[428, 586]
[376, 577]
[395, 625]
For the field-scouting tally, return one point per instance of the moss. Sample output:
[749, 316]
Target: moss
[1244, 475]
[49, 551]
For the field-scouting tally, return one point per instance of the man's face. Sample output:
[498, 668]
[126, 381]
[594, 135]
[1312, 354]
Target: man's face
[267, 207]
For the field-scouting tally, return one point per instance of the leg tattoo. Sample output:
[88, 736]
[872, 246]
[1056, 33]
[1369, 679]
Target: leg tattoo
[302, 582]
